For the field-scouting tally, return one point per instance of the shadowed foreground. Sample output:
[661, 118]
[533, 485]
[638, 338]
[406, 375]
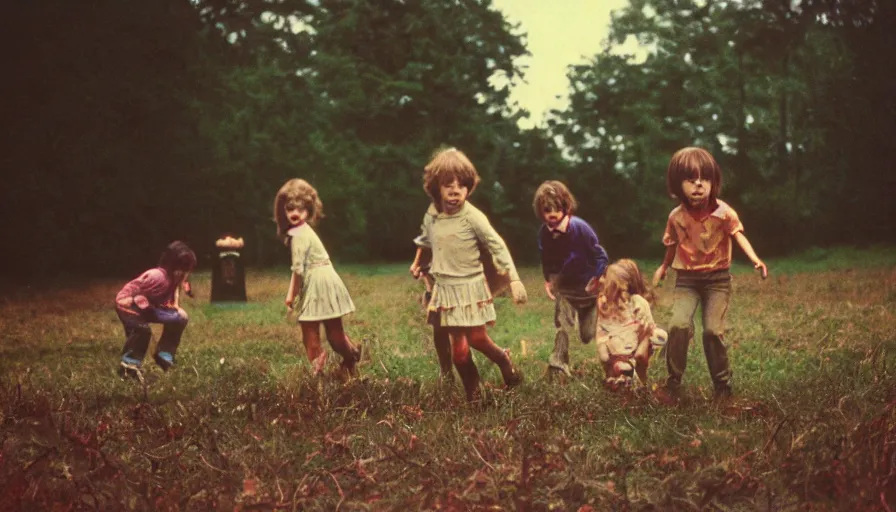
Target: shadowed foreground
[240, 424]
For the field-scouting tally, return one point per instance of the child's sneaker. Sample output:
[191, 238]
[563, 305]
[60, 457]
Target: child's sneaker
[555, 364]
[165, 360]
[128, 370]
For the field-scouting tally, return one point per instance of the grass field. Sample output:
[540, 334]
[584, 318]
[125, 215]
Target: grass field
[241, 425]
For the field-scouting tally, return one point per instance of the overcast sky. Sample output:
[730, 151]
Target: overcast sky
[560, 33]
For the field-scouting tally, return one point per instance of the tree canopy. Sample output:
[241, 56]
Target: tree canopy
[130, 124]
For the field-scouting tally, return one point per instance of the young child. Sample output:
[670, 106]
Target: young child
[153, 297]
[571, 259]
[315, 290]
[626, 332]
[698, 246]
[440, 338]
[452, 229]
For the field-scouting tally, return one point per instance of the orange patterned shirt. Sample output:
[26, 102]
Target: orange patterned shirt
[702, 245]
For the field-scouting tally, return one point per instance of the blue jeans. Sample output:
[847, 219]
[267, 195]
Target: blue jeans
[136, 329]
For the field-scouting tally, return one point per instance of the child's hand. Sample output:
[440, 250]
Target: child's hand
[289, 301]
[659, 275]
[415, 270]
[592, 285]
[126, 302]
[549, 290]
[141, 301]
[763, 270]
[518, 291]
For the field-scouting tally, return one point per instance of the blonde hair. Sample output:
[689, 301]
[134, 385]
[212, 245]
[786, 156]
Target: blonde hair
[553, 194]
[446, 166]
[622, 279]
[296, 192]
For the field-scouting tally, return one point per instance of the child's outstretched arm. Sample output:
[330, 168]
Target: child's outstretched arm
[748, 250]
[660, 273]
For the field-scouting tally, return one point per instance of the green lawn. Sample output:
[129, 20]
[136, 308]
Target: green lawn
[240, 423]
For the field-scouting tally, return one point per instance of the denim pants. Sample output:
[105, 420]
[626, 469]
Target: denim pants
[136, 329]
[571, 304]
[712, 290]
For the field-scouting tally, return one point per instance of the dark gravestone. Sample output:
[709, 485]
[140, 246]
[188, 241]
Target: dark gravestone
[228, 270]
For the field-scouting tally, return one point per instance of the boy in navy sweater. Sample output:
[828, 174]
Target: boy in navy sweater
[572, 261]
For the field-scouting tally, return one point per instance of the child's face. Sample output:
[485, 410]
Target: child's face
[552, 216]
[697, 191]
[453, 197]
[296, 213]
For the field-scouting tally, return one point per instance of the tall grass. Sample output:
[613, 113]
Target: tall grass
[241, 424]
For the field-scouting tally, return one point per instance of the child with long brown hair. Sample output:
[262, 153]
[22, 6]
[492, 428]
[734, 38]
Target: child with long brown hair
[453, 230]
[626, 332]
[698, 246]
[315, 290]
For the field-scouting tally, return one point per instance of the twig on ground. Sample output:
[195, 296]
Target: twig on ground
[209, 465]
[775, 433]
[481, 458]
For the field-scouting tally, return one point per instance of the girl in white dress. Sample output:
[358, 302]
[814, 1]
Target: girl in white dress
[315, 290]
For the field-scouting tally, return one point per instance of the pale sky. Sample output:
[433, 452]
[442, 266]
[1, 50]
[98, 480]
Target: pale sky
[559, 33]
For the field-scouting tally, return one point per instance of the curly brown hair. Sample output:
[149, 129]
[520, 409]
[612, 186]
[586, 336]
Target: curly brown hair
[554, 195]
[296, 192]
[446, 166]
[689, 163]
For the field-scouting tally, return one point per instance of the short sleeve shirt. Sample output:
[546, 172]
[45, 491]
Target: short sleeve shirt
[702, 245]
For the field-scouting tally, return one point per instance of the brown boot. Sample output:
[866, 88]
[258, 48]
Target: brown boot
[469, 375]
[350, 364]
[512, 377]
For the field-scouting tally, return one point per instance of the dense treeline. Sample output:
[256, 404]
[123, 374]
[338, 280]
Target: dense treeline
[132, 123]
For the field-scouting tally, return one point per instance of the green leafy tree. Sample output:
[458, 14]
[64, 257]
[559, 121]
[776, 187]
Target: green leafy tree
[763, 85]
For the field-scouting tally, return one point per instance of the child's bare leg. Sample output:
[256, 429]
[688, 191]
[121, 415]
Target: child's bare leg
[642, 360]
[480, 340]
[463, 361]
[311, 339]
[442, 341]
[341, 344]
